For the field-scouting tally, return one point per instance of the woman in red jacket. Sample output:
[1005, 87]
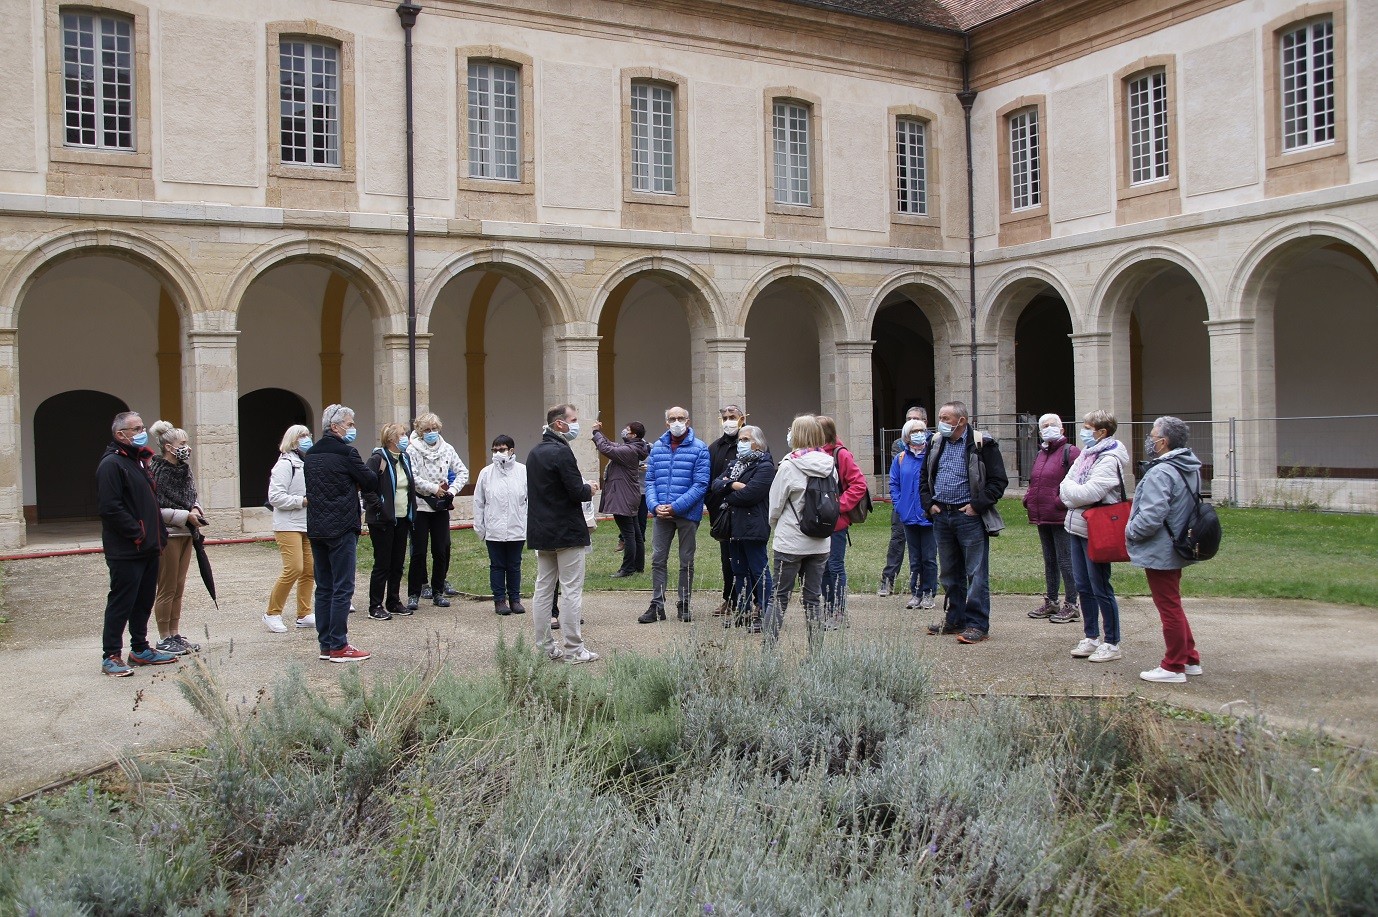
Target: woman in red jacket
[1046, 510]
[852, 487]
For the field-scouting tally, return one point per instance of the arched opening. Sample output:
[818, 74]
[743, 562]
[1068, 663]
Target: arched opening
[1044, 376]
[645, 354]
[272, 410]
[788, 355]
[902, 369]
[72, 429]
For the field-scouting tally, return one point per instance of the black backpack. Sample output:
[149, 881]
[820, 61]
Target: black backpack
[1200, 540]
[822, 504]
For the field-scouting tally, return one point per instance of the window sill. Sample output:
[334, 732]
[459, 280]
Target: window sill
[496, 185]
[1028, 214]
[654, 199]
[310, 173]
[913, 219]
[794, 210]
[109, 159]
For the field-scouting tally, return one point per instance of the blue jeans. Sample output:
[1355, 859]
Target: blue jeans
[505, 570]
[751, 582]
[1097, 595]
[964, 548]
[334, 561]
[835, 577]
[923, 558]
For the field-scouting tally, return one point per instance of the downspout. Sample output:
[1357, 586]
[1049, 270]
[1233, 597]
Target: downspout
[968, 98]
[407, 11]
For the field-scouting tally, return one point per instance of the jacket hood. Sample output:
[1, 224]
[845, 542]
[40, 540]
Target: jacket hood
[1182, 458]
[815, 464]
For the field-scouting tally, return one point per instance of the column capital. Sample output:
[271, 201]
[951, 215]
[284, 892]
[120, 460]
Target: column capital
[1091, 337]
[857, 347]
[726, 345]
[9, 335]
[1223, 326]
[579, 342]
[223, 338]
[397, 340]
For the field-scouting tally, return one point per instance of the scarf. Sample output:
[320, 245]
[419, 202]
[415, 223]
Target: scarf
[176, 489]
[1081, 468]
[742, 463]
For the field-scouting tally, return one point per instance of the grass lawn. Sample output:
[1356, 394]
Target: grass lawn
[1266, 554]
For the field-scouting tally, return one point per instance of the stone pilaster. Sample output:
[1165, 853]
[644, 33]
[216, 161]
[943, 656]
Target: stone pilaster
[392, 391]
[11, 424]
[850, 402]
[210, 378]
[1240, 390]
[1102, 380]
[571, 375]
[719, 378]
[994, 396]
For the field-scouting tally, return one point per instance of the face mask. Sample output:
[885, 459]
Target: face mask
[1051, 433]
[305, 443]
[743, 447]
[351, 434]
[918, 439]
[677, 427]
[402, 444]
[626, 435]
[572, 433]
[730, 427]
[502, 458]
[182, 453]
[431, 438]
[1150, 445]
[139, 439]
[944, 428]
[789, 439]
[1088, 437]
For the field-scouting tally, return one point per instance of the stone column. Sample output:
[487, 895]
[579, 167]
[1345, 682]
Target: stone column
[958, 380]
[392, 389]
[11, 427]
[719, 378]
[1240, 390]
[851, 404]
[994, 396]
[210, 379]
[1099, 382]
[571, 375]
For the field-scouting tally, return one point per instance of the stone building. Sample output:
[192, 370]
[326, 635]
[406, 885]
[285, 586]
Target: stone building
[630, 205]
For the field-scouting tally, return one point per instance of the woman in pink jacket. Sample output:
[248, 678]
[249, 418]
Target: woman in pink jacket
[851, 487]
[1048, 512]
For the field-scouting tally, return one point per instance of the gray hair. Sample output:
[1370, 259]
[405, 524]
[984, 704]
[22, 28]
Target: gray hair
[730, 408]
[293, 435]
[910, 426]
[1173, 429]
[117, 425]
[757, 435]
[1049, 418]
[920, 410]
[336, 414]
[675, 407]
[959, 407]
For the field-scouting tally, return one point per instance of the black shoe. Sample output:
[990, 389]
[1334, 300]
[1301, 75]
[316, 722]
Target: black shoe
[450, 590]
[398, 610]
[426, 591]
[682, 612]
[935, 630]
[620, 574]
[517, 607]
[653, 614]
[413, 603]
[379, 613]
[501, 607]
[440, 601]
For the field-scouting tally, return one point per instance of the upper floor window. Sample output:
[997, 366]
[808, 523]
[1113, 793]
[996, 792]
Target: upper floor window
[309, 98]
[494, 121]
[1308, 85]
[792, 152]
[911, 166]
[653, 137]
[98, 81]
[1148, 127]
[1026, 186]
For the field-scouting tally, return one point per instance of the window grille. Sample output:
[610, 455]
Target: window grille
[1148, 128]
[1025, 170]
[1308, 85]
[911, 166]
[653, 138]
[791, 125]
[494, 121]
[309, 99]
[98, 81]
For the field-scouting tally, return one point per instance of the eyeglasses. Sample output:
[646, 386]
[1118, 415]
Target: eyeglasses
[501, 449]
[138, 429]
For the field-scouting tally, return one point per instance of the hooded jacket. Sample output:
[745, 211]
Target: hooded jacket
[433, 465]
[556, 493]
[622, 480]
[287, 493]
[500, 502]
[750, 504]
[1101, 484]
[1051, 464]
[1163, 500]
[131, 522]
[380, 504]
[678, 476]
[787, 501]
[906, 479]
[851, 483]
[335, 474]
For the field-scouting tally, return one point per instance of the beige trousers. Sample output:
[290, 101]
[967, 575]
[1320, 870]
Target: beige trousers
[297, 568]
[172, 581]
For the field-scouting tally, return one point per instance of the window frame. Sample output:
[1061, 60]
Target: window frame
[100, 102]
[475, 194]
[291, 175]
[1030, 223]
[311, 146]
[912, 230]
[1156, 127]
[796, 116]
[806, 219]
[656, 133]
[904, 160]
[512, 168]
[656, 210]
[1161, 197]
[1320, 165]
[1031, 188]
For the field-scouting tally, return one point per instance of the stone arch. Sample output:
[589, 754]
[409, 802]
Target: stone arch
[997, 315]
[553, 300]
[940, 302]
[1257, 274]
[380, 293]
[831, 303]
[703, 303]
[1126, 276]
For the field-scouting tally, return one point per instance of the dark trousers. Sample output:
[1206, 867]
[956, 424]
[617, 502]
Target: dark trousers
[1057, 562]
[788, 568]
[633, 532]
[964, 548]
[923, 559]
[665, 531]
[389, 559]
[751, 583]
[835, 577]
[429, 529]
[894, 553]
[725, 555]
[133, 585]
[505, 570]
[334, 560]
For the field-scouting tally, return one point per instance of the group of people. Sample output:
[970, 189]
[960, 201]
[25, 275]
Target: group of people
[944, 486]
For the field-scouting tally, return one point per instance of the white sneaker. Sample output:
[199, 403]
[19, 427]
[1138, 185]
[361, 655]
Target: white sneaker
[1195, 670]
[582, 654]
[884, 589]
[1106, 652]
[308, 621]
[1086, 647]
[554, 653]
[926, 600]
[1161, 674]
[274, 623]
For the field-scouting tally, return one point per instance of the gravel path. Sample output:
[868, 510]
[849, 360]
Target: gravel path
[1299, 663]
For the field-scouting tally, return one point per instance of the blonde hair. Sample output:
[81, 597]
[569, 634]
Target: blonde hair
[426, 419]
[289, 439]
[391, 432]
[164, 432]
[807, 433]
[1102, 420]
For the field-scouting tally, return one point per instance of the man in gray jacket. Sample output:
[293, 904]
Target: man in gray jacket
[1163, 503]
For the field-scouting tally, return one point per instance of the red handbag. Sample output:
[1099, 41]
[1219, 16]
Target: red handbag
[1105, 527]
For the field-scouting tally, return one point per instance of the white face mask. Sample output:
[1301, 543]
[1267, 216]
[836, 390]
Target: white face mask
[677, 427]
[1051, 433]
[502, 458]
[730, 427]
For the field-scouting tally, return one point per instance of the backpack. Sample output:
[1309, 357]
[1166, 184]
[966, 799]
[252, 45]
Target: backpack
[1200, 540]
[857, 514]
[821, 506]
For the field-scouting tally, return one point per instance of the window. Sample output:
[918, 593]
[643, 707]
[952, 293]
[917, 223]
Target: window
[911, 166]
[494, 121]
[1025, 178]
[1148, 128]
[1308, 85]
[791, 130]
[98, 81]
[309, 102]
[653, 137]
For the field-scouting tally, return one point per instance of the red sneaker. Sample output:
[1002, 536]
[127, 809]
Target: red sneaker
[348, 654]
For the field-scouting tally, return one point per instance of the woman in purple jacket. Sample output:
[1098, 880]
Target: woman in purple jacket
[1046, 510]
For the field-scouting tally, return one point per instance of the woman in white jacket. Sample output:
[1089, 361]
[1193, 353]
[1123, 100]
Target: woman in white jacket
[439, 476]
[1096, 477]
[287, 497]
[500, 523]
[795, 551]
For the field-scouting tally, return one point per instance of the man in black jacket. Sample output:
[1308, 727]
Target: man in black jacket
[962, 481]
[721, 453]
[334, 475]
[133, 535]
[556, 531]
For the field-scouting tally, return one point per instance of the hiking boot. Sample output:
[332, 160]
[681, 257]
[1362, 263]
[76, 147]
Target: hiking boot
[927, 600]
[186, 645]
[724, 609]
[450, 590]
[944, 629]
[150, 656]
[274, 623]
[306, 621]
[517, 607]
[1106, 652]
[682, 612]
[440, 600]
[914, 602]
[1086, 647]
[1046, 610]
[1162, 675]
[170, 646]
[885, 587]
[1068, 612]
[114, 667]
[379, 613]
[582, 654]
[348, 654]
[972, 635]
[426, 591]
[651, 615]
[413, 602]
[501, 607]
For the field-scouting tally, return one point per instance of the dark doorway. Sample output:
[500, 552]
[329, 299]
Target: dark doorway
[1044, 377]
[70, 433]
[901, 369]
[264, 415]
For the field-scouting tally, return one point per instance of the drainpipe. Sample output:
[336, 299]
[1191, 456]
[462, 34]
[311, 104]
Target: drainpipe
[968, 98]
[407, 11]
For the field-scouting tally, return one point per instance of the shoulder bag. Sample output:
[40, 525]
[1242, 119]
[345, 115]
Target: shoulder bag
[1105, 527]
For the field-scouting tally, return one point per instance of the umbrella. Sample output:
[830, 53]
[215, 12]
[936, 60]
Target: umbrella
[203, 564]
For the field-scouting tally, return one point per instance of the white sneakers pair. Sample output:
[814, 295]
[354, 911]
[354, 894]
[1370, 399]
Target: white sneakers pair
[274, 623]
[1163, 676]
[581, 655]
[1093, 649]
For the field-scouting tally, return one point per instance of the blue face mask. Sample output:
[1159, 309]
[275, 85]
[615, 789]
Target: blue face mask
[139, 439]
[1088, 437]
[572, 433]
[431, 438]
[402, 444]
[305, 443]
[945, 429]
[918, 439]
[743, 446]
[351, 434]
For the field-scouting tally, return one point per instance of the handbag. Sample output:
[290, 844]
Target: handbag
[722, 524]
[1105, 527]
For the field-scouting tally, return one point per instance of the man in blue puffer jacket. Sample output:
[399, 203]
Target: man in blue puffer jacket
[677, 474]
